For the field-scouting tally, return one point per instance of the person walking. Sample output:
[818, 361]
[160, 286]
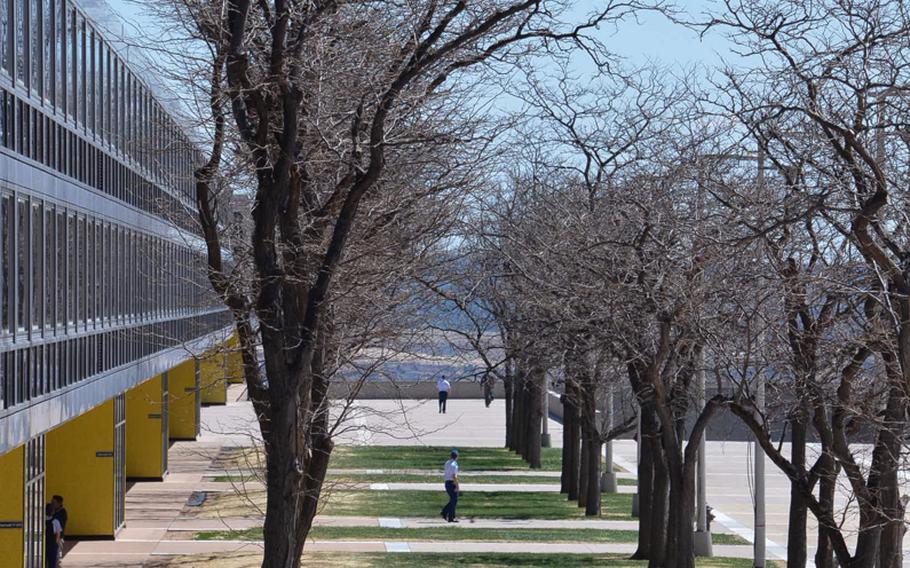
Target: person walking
[53, 537]
[443, 387]
[451, 484]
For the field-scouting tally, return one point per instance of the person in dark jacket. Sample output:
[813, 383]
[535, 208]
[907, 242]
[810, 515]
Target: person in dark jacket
[60, 512]
[53, 537]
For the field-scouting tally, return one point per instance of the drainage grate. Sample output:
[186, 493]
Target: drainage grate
[196, 499]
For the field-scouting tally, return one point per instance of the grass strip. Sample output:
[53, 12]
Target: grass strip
[456, 533]
[480, 504]
[422, 560]
[434, 457]
[422, 503]
[419, 478]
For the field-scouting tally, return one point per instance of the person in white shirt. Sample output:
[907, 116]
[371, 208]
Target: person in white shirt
[443, 386]
[451, 483]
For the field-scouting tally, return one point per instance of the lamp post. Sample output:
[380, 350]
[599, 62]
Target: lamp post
[703, 545]
[760, 533]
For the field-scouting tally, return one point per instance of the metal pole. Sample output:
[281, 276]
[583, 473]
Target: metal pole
[703, 545]
[758, 454]
[635, 497]
[545, 441]
[608, 478]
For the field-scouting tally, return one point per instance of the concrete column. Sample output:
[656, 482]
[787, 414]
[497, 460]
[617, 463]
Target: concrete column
[12, 504]
[147, 430]
[81, 466]
[184, 401]
[212, 376]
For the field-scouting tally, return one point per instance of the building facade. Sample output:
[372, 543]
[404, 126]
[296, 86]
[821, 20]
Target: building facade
[103, 299]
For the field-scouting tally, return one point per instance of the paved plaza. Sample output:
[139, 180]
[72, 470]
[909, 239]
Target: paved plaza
[154, 510]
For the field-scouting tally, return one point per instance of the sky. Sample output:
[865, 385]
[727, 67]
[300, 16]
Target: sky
[653, 38]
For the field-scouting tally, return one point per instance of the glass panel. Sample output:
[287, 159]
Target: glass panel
[70, 63]
[6, 222]
[37, 262]
[60, 283]
[60, 65]
[80, 68]
[48, 41]
[21, 63]
[34, 15]
[22, 260]
[4, 35]
[81, 287]
[92, 82]
[50, 234]
[71, 268]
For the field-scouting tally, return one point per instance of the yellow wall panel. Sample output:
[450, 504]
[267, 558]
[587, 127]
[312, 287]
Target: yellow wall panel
[183, 393]
[80, 467]
[234, 363]
[144, 444]
[212, 370]
[12, 494]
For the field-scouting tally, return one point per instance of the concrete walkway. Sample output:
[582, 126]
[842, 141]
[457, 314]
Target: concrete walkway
[155, 524]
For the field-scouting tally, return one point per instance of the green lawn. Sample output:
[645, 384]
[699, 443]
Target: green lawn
[481, 504]
[422, 560]
[457, 532]
[434, 457]
[500, 560]
[347, 477]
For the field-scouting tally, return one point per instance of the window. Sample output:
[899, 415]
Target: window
[92, 70]
[6, 223]
[5, 58]
[35, 41]
[37, 265]
[71, 286]
[100, 123]
[47, 75]
[90, 270]
[60, 66]
[20, 31]
[50, 277]
[22, 264]
[61, 268]
[80, 69]
[70, 62]
[81, 280]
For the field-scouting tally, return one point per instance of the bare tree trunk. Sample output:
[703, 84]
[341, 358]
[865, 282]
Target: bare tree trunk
[583, 478]
[885, 470]
[796, 534]
[282, 534]
[659, 500]
[590, 447]
[573, 467]
[824, 552]
[568, 478]
[509, 390]
[593, 447]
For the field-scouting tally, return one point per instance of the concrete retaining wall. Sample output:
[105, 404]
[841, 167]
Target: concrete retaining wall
[373, 390]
